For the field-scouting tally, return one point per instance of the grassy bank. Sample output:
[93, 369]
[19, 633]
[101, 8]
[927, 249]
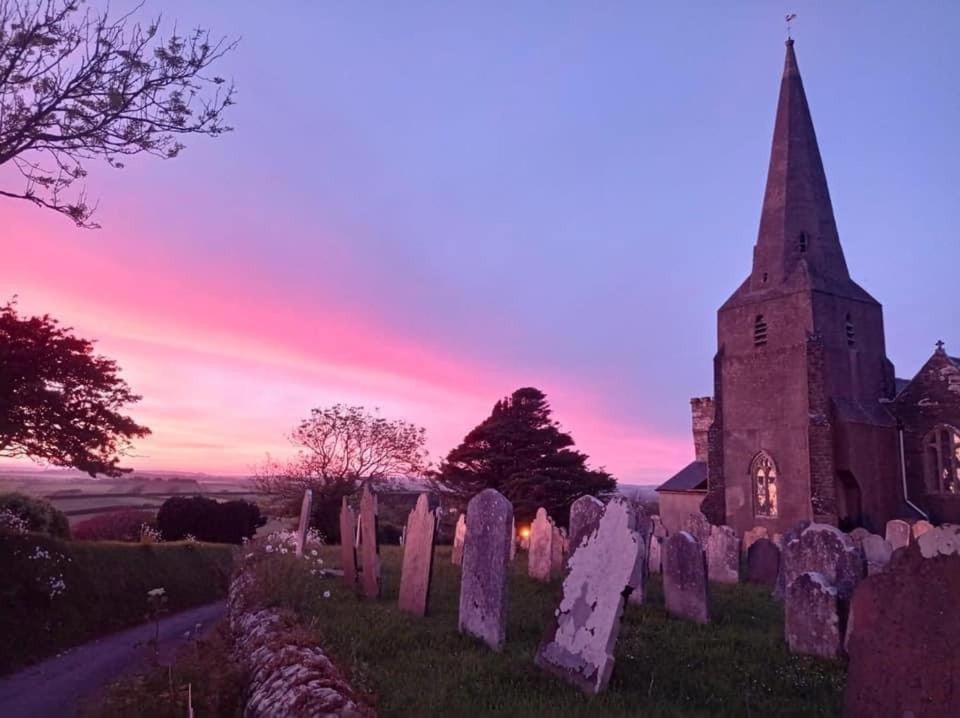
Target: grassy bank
[57, 594]
[738, 665]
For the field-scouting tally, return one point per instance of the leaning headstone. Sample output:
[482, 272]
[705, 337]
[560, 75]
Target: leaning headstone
[459, 534]
[685, 578]
[540, 558]
[585, 513]
[902, 638]
[920, 528]
[348, 549]
[812, 621]
[417, 558]
[305, 507]
[638, 596]
[655, 554]
[369, 546]
[753, 535]
[824, 549]
[486, 564]
[877, 551]
[580, 645]
[898, 533]
[723, 555]
[556, 552]
[698, 526]
[763, 562]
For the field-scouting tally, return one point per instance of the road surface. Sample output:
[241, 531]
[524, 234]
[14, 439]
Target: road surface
[57, 686]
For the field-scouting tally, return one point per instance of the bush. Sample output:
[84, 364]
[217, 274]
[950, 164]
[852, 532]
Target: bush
[40, 515]
[56, 594]
[114, 526]
[208, 520]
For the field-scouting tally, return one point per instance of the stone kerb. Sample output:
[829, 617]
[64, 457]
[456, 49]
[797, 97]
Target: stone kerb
[580, 644]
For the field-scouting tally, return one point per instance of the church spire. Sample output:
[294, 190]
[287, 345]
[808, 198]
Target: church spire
[797, 229]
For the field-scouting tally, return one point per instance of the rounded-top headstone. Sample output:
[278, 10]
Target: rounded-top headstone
[685, 578]
[898, 533]
[585, 514]
[826, 550]
[763, 562]
[697, 525]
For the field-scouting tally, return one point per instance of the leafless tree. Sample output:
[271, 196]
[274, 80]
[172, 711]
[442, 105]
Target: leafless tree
[77, 85]
[338, 447]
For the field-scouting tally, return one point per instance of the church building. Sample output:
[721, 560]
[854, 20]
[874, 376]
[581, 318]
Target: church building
[807, 420]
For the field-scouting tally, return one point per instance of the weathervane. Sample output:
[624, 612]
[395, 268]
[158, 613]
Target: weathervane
[790, 18]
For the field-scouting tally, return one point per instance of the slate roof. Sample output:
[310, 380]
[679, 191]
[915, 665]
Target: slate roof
[693, 477]
[852, 411]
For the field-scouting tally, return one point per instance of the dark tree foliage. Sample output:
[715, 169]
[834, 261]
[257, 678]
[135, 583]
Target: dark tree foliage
[59, 402]
[208, 520]
[124, 525]
[77, 85]
[39, 515]
[522, 453]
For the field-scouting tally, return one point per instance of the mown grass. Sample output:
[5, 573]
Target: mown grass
[104, 589]
[737, 666]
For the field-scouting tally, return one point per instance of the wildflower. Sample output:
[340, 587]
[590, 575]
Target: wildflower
[326, 594]
[156, 592]
[313, 552]
[249, 556]
[283, 549]
[269, 548]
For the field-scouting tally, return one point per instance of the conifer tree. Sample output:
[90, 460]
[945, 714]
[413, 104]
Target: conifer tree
[520, 451]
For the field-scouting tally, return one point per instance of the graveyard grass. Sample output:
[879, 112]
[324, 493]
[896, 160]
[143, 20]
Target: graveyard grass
[736, 665]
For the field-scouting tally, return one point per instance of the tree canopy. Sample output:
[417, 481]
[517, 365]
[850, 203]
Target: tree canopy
[338, 447]
[520, 451]
[77, 85]
[60, 403]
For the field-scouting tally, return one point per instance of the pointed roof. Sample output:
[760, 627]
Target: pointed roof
[798, 246]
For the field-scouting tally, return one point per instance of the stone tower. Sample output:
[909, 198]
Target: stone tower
[800, 374]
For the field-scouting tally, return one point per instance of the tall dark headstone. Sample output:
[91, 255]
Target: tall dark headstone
[369, 546]
[685, 578]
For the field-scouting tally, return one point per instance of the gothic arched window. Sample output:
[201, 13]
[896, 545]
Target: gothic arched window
[941, 452]
[763, 475]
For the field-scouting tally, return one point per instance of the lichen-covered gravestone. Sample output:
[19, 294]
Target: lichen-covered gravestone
[763, 562]
[920, 528]
[902, 639]
[698, 526]
[486, 563]
[941, 541]
[369, 546]
[417, 558]
[540, 558]
[305, 507]
[580, 644]
[877, 551]
[654, 554]
[898, 533]
[685, 578]
[585, 513]
[824, 549]
[459, 535]
[723, 555]
[348, 549]
[556, 552]
[812, 621]
[858, 535]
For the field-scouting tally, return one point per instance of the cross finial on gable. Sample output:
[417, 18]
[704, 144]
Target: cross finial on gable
[940, 347]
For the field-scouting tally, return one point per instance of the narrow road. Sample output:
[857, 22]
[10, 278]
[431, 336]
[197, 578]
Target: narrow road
[58, 685]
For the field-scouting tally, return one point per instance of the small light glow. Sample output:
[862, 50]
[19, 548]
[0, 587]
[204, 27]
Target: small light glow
[524, 532]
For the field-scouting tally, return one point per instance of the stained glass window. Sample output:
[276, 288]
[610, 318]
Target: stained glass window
[763, 473]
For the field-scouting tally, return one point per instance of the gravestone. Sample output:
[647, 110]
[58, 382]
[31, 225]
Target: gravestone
[657, 526]
[580, 644]
[417, 558]
[723, 555]
[763, 562]
[920, 528]
[877, 551]
[486, 564]
[781, 540]
[824, 549]
[812, 621]
[898, 533]
[369, 546]
[902, 640]
[941, 541]
[585, 513]
[858, 535]
[655, 554]
[513, 540]
[459, 535]
[638, 596]
[685, 578]
[556, 552]
[540, 558]
[348, 549]
[305, 507]
[753, 535]
[697, 525]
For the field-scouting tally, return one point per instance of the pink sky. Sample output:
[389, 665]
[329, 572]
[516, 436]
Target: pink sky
[227, 364]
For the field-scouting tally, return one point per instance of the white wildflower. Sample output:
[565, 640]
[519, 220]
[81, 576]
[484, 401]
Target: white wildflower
[156, 592]
[326, 594]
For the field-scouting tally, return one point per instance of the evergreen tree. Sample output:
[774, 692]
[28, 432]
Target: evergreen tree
[522, 453]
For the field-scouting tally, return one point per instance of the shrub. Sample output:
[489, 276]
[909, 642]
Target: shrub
[39, 515]
[122, 525]
[208, 520]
